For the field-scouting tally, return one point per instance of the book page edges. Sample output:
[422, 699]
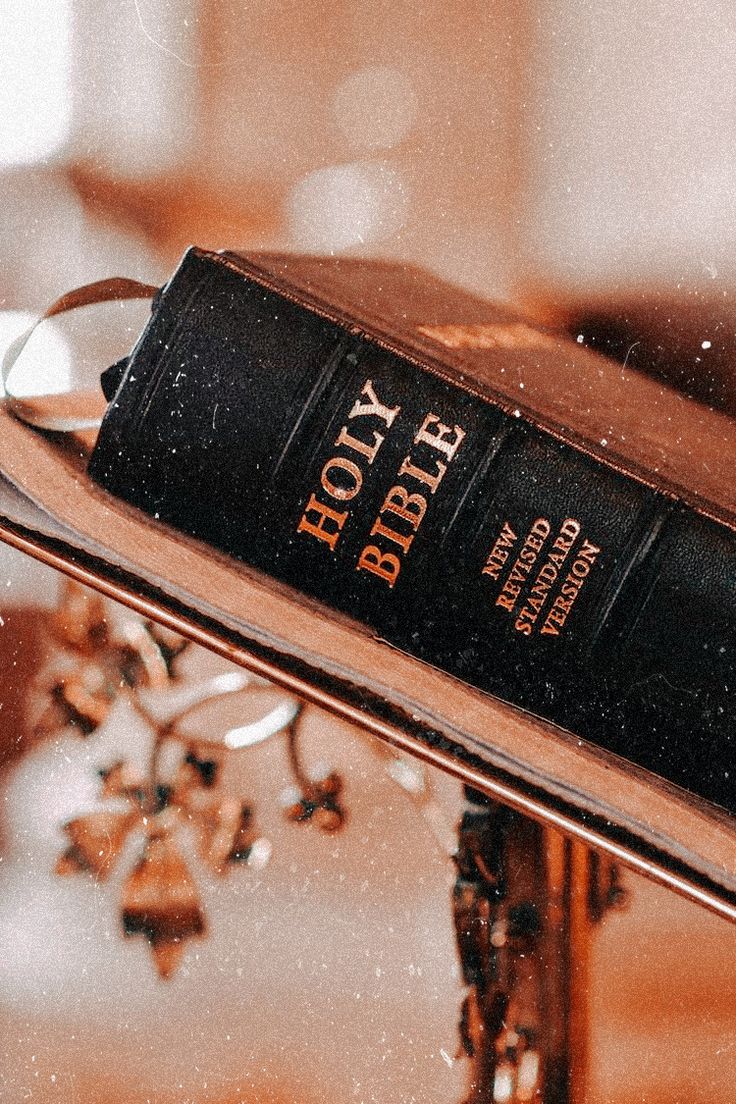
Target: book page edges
[54, 511]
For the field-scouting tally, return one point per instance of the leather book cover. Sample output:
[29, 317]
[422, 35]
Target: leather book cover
[238, 469]
[332, 427]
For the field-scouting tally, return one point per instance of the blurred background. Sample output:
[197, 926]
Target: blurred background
[574, 157]
[557, 146]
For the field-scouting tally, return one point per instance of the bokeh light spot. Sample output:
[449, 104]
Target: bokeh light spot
[344, 206]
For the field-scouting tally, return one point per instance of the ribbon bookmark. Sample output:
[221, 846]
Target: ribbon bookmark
[114, 289]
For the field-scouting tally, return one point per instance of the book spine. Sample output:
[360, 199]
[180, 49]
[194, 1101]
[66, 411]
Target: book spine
[457, 532]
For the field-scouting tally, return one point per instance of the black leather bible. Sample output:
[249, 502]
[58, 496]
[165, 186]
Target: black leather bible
[487, 497]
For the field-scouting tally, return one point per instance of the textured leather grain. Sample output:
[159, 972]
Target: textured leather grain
[537, 521]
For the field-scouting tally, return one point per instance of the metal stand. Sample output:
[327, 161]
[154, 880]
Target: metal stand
[525, 901]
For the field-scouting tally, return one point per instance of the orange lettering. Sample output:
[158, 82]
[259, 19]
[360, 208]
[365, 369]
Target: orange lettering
[343, 494]
[373, 406]
[430, 480]
[380, 530]
[369, 451]
[435, 433]
[411, 507]
[325, 516]
[384, 564]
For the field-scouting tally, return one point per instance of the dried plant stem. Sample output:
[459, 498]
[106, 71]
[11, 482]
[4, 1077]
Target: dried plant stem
[294, 752]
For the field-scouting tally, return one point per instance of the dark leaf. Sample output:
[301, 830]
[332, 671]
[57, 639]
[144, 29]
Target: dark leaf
[319, 802]
[205, 769]
[160, 902]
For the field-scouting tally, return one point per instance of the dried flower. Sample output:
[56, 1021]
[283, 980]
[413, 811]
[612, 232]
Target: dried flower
[318, 800]
[160, 902]
[160, 898]
[95, 842]
[97, 661]
[225, 830]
